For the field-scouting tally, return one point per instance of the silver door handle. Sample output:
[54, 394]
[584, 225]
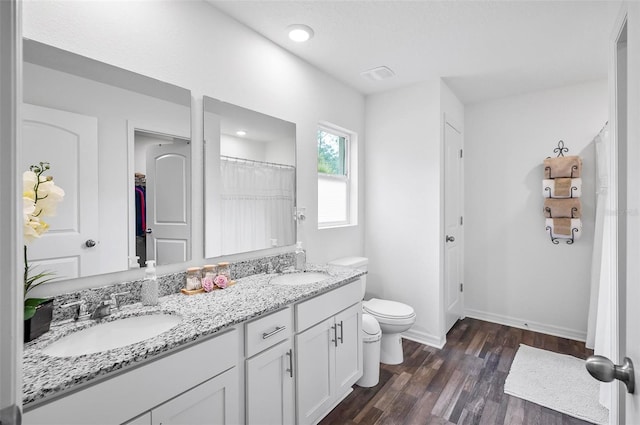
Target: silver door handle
[90, 243]
[341, 337]
[148, 231]
[290, 370]
[450, 238]
[335, 335]
[604, 370]
[266, 335]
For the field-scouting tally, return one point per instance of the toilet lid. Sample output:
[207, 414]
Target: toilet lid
[388, 309]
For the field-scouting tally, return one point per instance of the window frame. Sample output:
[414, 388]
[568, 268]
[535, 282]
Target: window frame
[346, 177]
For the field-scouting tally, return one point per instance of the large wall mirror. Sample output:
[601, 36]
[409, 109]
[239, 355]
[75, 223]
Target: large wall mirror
[119, 145]
[250, 178]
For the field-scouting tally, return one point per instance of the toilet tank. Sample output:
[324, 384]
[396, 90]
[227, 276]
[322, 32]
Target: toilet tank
[359, 263]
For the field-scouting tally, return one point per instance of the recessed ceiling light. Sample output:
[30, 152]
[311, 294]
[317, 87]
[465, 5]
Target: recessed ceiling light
[300, 33]
[241, 133]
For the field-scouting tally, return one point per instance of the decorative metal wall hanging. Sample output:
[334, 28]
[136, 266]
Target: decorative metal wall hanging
[563, 184]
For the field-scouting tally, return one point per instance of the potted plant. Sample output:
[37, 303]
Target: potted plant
[40, 199]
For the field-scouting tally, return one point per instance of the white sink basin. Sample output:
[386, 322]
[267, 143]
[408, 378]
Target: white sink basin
[302, 278]
[110, 335]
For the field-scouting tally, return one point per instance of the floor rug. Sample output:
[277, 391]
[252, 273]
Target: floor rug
[557, 381]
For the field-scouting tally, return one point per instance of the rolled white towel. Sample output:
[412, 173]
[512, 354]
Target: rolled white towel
[548, 189]
[576, 224]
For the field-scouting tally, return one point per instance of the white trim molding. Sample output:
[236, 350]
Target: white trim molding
[520, 323]
[11, 297]
[425, 338]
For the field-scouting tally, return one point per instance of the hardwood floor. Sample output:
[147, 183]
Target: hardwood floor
[461, 384]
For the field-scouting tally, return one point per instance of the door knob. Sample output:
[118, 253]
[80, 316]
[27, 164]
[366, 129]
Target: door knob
[90, 243]
[450, 238]
[148, 231]
[604, 370]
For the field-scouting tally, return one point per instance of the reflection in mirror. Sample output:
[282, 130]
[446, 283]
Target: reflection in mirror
[162, 185]
[249, 180]
[99, 126]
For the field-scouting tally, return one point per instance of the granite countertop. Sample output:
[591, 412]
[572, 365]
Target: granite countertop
[203, 315]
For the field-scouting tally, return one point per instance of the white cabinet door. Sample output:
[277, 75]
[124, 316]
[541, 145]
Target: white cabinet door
[349, 348]
[213, 402]
[315, 352]
[270, 386]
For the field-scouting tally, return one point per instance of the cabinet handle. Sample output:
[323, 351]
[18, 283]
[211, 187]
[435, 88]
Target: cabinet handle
[341, 333]
[335, 335]
[266, 335]
[290, 370]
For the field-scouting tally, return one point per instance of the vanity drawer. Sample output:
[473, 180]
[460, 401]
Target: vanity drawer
[315, 310]
[266, 331]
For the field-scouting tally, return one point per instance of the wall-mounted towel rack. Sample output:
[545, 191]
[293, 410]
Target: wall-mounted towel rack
[574, 212]
[562, 189]
[574, 191]
[556, 241]
[560, 150]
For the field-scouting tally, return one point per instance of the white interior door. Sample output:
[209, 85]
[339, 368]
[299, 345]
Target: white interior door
[168, 203]
[625, 203]
[69, 142]
[453, 225]
[628, 122]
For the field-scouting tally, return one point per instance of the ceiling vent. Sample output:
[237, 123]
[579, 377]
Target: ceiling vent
[378, 74]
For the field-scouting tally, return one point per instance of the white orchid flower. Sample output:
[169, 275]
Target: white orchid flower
[49, 196]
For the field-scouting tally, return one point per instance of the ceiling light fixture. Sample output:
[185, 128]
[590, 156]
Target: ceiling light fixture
[241, 133]
[300, 33]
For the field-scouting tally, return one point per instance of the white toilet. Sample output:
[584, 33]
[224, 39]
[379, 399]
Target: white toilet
[393, 317]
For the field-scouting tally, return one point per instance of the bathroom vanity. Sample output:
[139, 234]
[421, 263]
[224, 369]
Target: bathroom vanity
[256, 352]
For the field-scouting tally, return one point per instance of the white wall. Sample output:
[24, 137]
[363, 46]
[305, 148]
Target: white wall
[403, 200]
[193, 45]
[513, 273]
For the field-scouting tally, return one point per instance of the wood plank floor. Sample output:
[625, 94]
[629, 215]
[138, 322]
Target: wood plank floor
[461, 384]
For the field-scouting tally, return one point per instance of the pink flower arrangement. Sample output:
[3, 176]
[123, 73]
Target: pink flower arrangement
[207, 284]
[221, 281]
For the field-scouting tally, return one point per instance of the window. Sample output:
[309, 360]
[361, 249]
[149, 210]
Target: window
[335, 203]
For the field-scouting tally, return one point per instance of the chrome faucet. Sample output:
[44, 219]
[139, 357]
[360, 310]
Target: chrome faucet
[103, 309]
[114, 299]
[80, 311]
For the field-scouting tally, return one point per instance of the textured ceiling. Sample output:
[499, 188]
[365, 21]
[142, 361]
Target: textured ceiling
[483, 49]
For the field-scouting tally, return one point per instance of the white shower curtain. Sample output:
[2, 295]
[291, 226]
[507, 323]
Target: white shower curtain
[256, 205]
[599, 322]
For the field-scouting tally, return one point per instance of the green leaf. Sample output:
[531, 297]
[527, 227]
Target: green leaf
[29, 312]
[31, 305]
[34, 302]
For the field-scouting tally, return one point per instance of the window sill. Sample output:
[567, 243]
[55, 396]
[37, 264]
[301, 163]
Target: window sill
[336, 226]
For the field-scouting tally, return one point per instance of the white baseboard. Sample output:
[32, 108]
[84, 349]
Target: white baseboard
[527, 324]
[425, 338]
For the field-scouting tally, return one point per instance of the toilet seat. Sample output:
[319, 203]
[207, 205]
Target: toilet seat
[386, 311]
